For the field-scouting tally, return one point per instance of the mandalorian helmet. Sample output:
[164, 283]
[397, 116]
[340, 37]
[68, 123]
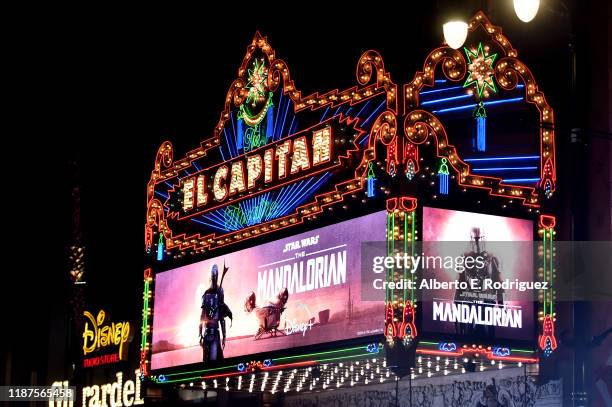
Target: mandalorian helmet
[214, 275]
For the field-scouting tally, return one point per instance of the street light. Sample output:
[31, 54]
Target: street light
[526, 10]
[455, 33]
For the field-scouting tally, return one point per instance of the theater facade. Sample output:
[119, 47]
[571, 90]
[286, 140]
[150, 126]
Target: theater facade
[261, 281]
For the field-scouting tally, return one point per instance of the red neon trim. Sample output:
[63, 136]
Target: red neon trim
[547, 221]
[487, 353]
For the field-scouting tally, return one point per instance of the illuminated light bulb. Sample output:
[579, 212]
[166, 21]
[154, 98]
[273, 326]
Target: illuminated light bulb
[455, 33]
[526, 10]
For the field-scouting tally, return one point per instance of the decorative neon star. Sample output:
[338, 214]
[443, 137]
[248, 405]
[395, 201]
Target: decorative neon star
[256, 81]
[480, 68]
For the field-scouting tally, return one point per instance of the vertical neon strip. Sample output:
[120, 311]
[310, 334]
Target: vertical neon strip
[481, 133]
[405, 250]
[370, 187]
[145, 315]
[270, 123]
[413, 242]
[392, 247]
[239, 135]
[550, 272]
[443, 183]
[160, 247]
[388, 250]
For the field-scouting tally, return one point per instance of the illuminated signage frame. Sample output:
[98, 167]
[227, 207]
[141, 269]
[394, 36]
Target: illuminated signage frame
[400, 131]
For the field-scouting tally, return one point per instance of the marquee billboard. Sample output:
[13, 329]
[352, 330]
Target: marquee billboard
[320, 270]
[484, 308]
[459, 134]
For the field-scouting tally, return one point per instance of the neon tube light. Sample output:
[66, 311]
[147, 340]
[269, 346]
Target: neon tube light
[525, 157]
[440, 90]
[505, 169]
[431, 102]
[520, 180]
[472, 105]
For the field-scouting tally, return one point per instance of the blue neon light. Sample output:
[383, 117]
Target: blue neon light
[481, 133]
[472, 105]
[425, 92]
[270, 122]
[447, 346]
[505, 169]
[525, 157]
[240, 134]
[521, 180]
[324, 114]
[431, 102]
[263, 208]
[374, 112]
[443, 183]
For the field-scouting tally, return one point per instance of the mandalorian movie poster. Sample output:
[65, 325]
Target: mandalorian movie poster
[486, 301]
[293, 292]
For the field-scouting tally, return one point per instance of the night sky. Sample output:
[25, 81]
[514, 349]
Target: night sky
[104, 89]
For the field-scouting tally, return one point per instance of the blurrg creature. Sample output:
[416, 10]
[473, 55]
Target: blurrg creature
[268, 315]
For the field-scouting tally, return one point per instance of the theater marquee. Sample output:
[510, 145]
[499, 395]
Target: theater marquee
[279, 160]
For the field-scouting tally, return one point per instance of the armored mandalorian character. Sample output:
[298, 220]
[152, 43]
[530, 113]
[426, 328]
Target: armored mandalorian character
[490, 269]
[214, 312]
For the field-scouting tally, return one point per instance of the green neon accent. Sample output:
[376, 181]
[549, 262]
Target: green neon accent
[480, 110]
[371, 173]
[443, 167]
[386, 272]
[483, 83]
[186, 379]
[550, 272]
[522, 351]
[319, 353]
[145, 316]
[429, 343]
[202, 371]
[346, 357]
[275, 359]
[413, 243]
[317, 361]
